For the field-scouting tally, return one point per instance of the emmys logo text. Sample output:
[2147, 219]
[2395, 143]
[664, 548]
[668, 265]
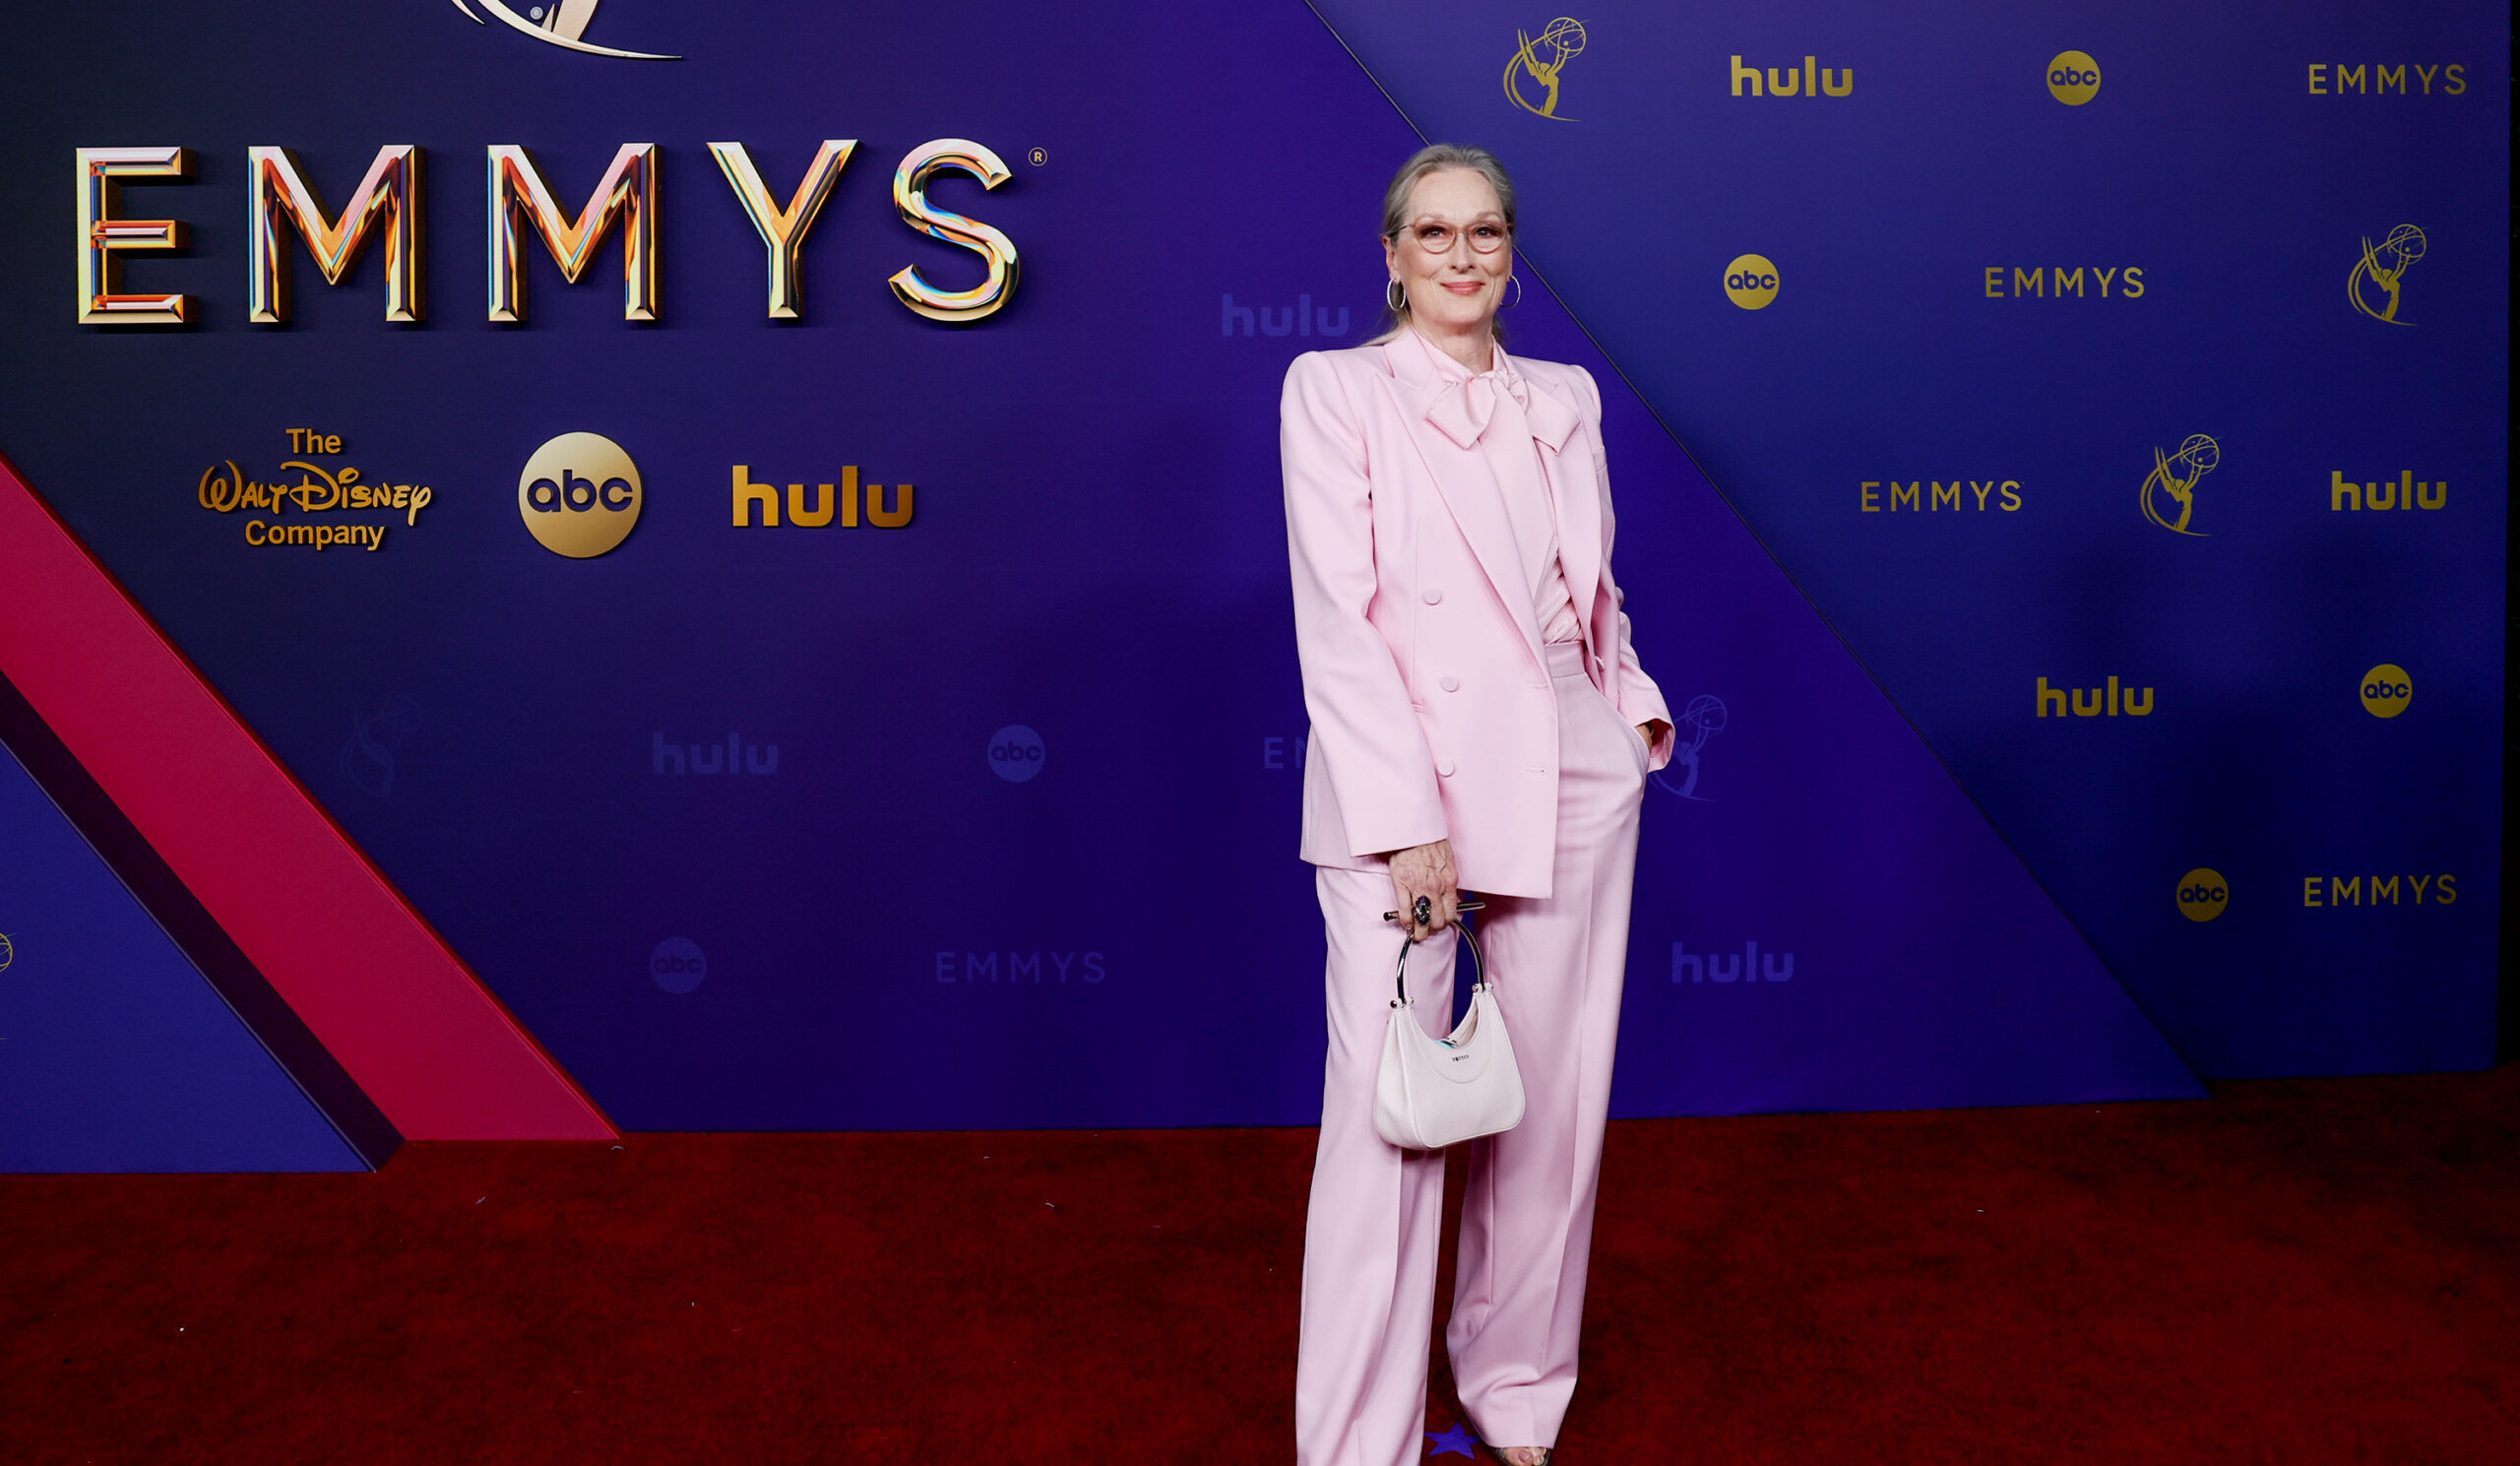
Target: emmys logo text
[844, 500]
[2055, 282]
[525, 208]
[1810, 79]
[2373, 78]
[1933, 496]
[1031, 969]
[1302, 319]
[2168, 494]
[2093, 702]
[1748, 964]
[2378, 890]
[732, 756]
[341, 488]
[2405, 491]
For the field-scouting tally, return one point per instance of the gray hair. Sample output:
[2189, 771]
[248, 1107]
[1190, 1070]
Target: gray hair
[1434, 158]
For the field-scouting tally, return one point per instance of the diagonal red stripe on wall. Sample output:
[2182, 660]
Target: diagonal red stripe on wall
[398, 1009]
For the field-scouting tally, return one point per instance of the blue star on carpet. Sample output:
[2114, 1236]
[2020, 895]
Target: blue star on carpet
[1458, 1439]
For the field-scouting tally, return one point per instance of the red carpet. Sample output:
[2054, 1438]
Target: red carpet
[2300, 1271]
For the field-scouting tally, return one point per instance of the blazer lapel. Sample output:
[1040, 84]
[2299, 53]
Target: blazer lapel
[1436, 420]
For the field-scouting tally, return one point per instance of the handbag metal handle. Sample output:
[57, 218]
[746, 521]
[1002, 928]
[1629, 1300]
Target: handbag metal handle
[1478, 968]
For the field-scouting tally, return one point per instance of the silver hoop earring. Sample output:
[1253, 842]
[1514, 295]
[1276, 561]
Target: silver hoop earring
[1518, 291]
[1398, 302]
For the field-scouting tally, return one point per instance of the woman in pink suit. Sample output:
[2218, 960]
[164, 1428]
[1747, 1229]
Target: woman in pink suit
[1478, 722]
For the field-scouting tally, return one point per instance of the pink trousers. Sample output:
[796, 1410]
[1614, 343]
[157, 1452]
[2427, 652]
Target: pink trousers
[1371, 1235]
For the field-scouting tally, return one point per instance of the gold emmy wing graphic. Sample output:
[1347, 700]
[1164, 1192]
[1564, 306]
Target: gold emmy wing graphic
[562, 23]
[1561, 40]
[2175, 476]
[2380, 269]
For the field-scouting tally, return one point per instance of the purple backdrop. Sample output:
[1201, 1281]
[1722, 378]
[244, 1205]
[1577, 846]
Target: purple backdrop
[988, 758]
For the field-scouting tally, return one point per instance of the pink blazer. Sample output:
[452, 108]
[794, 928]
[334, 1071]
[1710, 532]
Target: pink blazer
[1431, 710]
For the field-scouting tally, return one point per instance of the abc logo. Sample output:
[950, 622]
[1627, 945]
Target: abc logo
[677, 965]
[2202, 895]
[2073, 78]
[1750, 282]
[1015, 753]
[2387, 691]
[578, 494]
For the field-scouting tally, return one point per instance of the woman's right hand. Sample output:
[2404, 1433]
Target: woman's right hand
[1425, 871]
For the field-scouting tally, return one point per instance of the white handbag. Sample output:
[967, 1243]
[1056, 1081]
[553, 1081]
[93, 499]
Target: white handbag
[1431, 1093]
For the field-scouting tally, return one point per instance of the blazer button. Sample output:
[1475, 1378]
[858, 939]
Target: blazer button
[1444, 766]
[1434, 595]
[1450, 685]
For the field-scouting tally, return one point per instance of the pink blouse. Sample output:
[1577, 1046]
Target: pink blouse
[1514, 459]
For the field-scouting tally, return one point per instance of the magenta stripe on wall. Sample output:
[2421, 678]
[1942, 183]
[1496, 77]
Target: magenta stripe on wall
[397, 1008]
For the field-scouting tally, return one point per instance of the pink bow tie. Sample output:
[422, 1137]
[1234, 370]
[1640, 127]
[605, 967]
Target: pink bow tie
[1462, 410]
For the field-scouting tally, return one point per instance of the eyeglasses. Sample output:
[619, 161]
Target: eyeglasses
[1485, 237]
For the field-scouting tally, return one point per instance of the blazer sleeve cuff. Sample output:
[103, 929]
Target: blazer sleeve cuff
[1382, 837]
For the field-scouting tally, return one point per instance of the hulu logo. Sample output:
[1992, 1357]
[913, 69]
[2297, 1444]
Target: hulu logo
[1811, 79]
[2401, 492]
[733, 756]
[748, 496]
[2094, 702]
[1748, 965]
[1298, 319]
